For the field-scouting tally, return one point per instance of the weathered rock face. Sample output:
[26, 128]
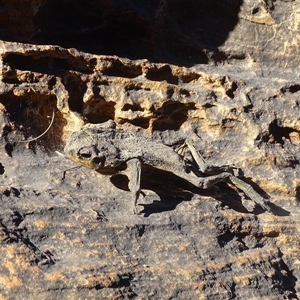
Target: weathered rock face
[224, 73]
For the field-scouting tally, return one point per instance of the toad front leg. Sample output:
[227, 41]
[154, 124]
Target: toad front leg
[133, 171]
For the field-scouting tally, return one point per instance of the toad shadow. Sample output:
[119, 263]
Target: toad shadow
[172, 190]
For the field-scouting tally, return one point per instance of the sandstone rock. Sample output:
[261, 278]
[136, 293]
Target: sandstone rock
[175, 69]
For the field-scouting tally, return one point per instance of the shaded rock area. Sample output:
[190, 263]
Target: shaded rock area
[224, 73]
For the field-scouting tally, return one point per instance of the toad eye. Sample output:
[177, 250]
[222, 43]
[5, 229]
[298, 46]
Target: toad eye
[85, 153]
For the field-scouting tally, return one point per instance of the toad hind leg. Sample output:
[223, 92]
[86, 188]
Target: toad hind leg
[206, 182]
[250, 192]
[206, 168]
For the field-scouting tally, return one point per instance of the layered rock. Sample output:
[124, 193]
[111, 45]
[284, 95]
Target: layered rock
[191, 70]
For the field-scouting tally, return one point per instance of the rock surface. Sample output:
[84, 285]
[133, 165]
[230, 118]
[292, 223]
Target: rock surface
[224, 73]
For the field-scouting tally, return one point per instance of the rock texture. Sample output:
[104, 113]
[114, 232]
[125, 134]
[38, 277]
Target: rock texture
[224, 73]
